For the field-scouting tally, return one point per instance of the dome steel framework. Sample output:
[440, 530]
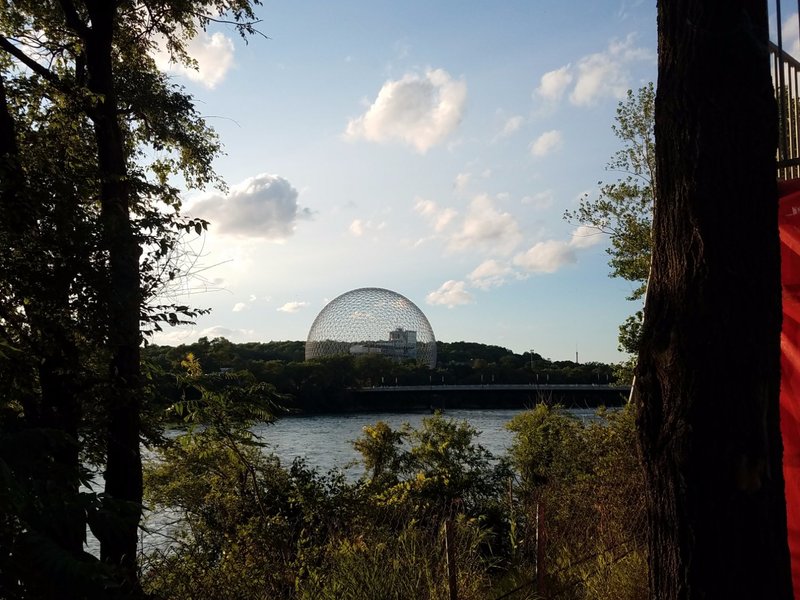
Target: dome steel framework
[372, 321]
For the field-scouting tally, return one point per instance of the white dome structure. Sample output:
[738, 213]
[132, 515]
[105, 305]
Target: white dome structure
[372, 321]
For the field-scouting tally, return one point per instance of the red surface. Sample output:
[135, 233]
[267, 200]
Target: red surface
[789, 223]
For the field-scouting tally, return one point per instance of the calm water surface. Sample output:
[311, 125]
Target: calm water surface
[325, 441]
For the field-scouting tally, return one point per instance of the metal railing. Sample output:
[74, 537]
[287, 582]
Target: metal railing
[786, 81]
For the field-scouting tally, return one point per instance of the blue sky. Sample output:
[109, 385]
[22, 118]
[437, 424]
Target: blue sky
[426, 147]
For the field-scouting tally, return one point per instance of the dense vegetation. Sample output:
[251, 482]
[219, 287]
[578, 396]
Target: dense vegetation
[559, 516]
[321, 385]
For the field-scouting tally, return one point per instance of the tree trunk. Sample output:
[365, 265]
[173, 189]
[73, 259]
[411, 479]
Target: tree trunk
[123, 473]
[707, 380]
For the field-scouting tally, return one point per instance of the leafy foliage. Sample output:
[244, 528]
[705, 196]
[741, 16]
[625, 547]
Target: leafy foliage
[249, 527]
[94, 141]
[624, 208]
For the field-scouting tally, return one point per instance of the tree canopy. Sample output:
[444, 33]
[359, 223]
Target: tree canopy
[624, 208]
[96, 145]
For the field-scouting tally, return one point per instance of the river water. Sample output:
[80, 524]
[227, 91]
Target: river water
[325, 443]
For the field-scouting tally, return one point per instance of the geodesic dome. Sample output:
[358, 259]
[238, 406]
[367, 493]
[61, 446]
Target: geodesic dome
[372, 321]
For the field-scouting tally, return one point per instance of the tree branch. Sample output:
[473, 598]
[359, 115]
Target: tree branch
[34, 66]
[72, 19]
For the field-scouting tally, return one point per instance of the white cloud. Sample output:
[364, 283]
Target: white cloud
[607, 74]
[264, 206]
[547, 143]
[357, 228]
[554, 83]
[219, 331]
[418, 110]
[549, 256]
[490, 273]
[546, 257]
[213, 53]
[586, 236]
[252, 297]
[511, 126]
[439, 218]
[791, 38]
[462, 181]
[539, 200]
[486, 227]
[239, 307]
[451, 293]
[292, 307]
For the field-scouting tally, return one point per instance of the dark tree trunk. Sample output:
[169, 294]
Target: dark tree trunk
[123, 474]
[707, 380]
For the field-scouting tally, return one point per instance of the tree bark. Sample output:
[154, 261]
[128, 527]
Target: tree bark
[123, 473]
[707, 380]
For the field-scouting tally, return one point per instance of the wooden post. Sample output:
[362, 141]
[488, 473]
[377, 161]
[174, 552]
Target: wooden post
[449, 548]
[540, 543]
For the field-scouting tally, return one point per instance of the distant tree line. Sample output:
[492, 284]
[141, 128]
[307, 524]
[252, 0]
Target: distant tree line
[323, 384]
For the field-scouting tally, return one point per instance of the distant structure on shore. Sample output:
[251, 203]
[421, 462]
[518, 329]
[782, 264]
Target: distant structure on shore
[372, 321]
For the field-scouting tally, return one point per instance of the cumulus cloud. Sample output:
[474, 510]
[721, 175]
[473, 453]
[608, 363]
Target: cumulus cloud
[547, 143]
[213, 53]
[546, 257]
[292, 307]
[549, 256]
[586, 236]
[511, 126]
[239, 307]
[605, 74]
[485, 226]
[451, 293]
[264, 206]
[490, 273]
[418, 110]
[553, 84]
[439, 218]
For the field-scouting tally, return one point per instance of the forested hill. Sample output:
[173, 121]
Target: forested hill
[323, 384]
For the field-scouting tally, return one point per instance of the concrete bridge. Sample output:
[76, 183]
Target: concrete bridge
[496, 395]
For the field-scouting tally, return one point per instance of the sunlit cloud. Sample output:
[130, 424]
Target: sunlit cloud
[490, 273]
[605, 74]
[586, 236]
[292, 307]
[264, 206]
[420, 111]
[486, 227]
[546, 257]
[551, 255]
[511, 126]
[451, 293]
[439, 218]
[213, 53]
[547, 143]
[554, 83]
